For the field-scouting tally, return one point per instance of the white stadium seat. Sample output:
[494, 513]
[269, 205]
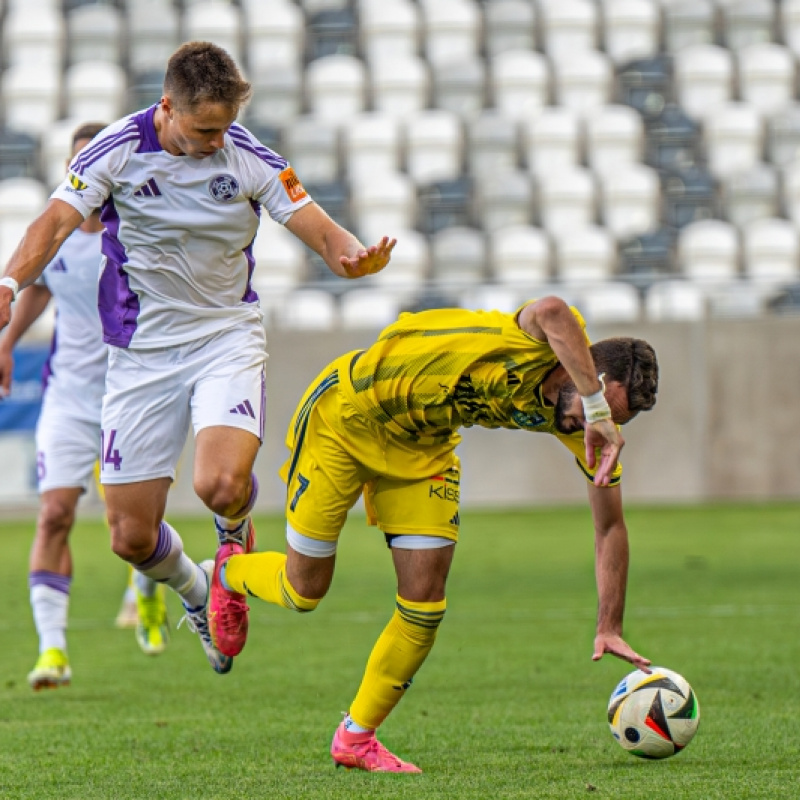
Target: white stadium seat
[675, 301]
[336, 87]
[383, 204]
[703, 78]
[614, 136]
[509, 25]
[434, 146]
[451, 31]
[153, 34]
[790, 24]
[280, 261]
[400, 85]
[216, 22]
[568, 27]
[551, 140]
[460, 87]
[567, 199]
[371, 143]
[746, 22]
[630, 200]
[771, 251]
[632, 29]
[21, 200]
[503, 199]
[95, 34]
[520, 82]
[688, 23]
[390, 29]
[708, 252]
[584, 255]
[277, 94]
[30, 97]
[766, 76]
[583, 81]
[410, 264]
[312, 146]
[275, 37]
[369, 308]
[95, 90]
[34, 36]
[751, 194]
[458, 257]
[492, 144]
[308, 309]
[734, 138]
[610, 302]
[520, 256]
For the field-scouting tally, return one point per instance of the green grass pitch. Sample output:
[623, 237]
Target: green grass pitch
[509, 704]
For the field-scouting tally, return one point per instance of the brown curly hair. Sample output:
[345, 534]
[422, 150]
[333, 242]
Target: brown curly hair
[633, 363]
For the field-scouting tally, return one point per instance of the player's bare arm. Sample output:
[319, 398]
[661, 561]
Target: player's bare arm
[611, 574]
[550, 320]
[341, 250]
[30, 305]
[38, 247]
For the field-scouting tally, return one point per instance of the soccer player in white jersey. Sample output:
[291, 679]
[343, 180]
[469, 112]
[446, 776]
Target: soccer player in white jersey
[68, 437]
[181, 186]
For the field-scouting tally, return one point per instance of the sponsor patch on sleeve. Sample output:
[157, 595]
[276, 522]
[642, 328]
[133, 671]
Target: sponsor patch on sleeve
[77, 183]
[292, 185]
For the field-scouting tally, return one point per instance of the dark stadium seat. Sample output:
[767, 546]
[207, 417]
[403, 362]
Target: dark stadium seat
[646, 84]
[331, 32]
[647, 258]
[145, 88]
[18, 155]
[672, 140]
[444, 204]
[689, 195]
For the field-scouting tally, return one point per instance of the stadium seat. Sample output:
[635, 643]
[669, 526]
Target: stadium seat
[520, 83]
[630, 196]
[18, 154]
[280, 261]
[508, 25]
[212, 21]
[771, 251]
[277, 94]
[675, 301]
[631, 28]
[785, 300]
[458, 258]
[498, 298]
[383, 205]
[444, 204]
[434, 146]
[503, 199]
[275, 37]
[583, 81]
[271, 136]
[567, 199]
[648, 257]
[21, 200]
[30, 98]
[56, 150]
[646, 84]
[689, 195]
[95, 90]
[307, 309]
[688, 23]
[750, 195]
[790, 24]
[673, 140]
[708, 252]
[336, 87]
[389, 29]
[312, 6]
[371, 144]
[766, 77]
[738, 299]
[35, 37]
[703, 78]
[311, 145]
[492, 144]
[614, 137]
[334, 197]
[460, 87]
[369, 308]
[584, 255]
[153, 34]
[783, 136]
[331, 31]
[410, 263]
[551, 140]
[145, 89]
[568, 27]
[451, 31]
[400, 85]
[520, 256]
[734, 139]
[610, 302]
[95, 34]
[746, 22]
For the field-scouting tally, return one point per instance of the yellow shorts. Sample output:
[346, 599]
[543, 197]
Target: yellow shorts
[336, 453]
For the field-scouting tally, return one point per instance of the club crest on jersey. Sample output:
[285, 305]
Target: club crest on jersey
[223, 188]
[77, 183]
[527, 420]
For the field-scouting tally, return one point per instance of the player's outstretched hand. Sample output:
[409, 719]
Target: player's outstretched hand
[617, 646]
[603, 435]
[369, 261]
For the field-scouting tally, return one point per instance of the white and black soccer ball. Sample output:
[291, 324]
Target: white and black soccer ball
[655, 715]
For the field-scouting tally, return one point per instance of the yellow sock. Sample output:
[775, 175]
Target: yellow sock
[263, 575]
[395, 659]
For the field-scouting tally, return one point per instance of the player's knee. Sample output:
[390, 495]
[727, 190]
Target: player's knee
[224, 492]
[55, 519]
[127, 542]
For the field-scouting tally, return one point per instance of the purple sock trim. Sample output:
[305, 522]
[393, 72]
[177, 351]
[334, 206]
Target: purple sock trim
[41, 577]
[163, 546]
[251, 501]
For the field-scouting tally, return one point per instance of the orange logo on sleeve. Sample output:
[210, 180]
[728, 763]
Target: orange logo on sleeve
[292, 185]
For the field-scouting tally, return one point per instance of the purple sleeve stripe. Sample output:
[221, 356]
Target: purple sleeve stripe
[42, 577]
[94, 145]
[163, 546]
[246, 141]
[86, 159]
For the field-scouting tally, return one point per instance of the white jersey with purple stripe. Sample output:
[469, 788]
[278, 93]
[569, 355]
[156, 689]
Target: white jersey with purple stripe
[179, 230]
[76, 368]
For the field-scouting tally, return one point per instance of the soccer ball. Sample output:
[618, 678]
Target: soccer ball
[653, 716]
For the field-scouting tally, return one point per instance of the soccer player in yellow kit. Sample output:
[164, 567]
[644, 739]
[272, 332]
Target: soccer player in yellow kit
[384, 421]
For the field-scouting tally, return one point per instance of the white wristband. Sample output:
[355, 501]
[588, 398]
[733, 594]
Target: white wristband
[595, 406]
[10, 283]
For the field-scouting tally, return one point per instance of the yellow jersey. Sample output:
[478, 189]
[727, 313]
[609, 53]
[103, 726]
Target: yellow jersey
[433, 372]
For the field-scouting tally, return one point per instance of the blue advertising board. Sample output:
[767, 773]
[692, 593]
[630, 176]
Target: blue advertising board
[20, 410]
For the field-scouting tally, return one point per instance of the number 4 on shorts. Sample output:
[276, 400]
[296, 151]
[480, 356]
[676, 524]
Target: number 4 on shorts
[109, 453]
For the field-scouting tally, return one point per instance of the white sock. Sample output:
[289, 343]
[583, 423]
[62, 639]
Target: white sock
[50, 608]
[353, 727]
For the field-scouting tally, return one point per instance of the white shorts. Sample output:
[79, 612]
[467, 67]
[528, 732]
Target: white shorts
[152, 395]
[67, 444]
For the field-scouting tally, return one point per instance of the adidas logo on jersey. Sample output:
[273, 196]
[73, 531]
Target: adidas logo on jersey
[148, 189]
[244, 408]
